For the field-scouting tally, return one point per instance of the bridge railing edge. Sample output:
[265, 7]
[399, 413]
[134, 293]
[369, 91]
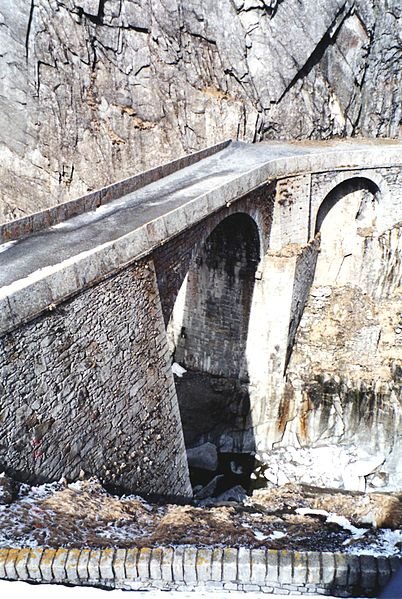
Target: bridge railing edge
[21, 227]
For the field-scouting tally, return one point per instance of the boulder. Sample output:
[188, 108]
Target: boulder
[8, 489]
[236, 493]
[204, 456]
[210, 488]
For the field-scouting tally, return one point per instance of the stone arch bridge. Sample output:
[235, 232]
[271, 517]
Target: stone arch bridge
[275, 267]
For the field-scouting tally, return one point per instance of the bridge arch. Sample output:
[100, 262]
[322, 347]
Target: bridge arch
[346, 220]
[374, 181]
[218, 290]
[208, 334]
[174, 258]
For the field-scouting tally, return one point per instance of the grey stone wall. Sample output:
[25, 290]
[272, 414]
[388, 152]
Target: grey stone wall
[218, 299]
[89, 386]
[174, 258]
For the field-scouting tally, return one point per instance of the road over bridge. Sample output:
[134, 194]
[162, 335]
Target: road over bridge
[241, 252]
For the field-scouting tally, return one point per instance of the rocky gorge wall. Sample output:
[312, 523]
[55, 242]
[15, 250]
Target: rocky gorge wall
[95, 90]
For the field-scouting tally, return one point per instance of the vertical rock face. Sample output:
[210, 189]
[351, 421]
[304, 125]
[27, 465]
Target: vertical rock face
[94, 90]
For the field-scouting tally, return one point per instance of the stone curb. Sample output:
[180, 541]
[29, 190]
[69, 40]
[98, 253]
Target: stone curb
[188, 567]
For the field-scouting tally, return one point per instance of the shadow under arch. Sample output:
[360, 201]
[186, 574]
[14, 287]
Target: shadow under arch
[208, 333]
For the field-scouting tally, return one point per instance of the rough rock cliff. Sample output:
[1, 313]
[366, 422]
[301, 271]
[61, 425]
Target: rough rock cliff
[94, 90]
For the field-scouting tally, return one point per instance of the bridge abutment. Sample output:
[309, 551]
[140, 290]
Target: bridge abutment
[88, 386]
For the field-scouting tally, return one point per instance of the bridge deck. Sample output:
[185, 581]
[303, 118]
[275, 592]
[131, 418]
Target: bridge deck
[170, 205]
[19, 259]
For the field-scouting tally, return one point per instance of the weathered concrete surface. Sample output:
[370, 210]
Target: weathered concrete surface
[89, 83]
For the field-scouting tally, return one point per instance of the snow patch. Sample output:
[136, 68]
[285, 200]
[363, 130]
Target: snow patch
[178, 370]
[6, 246]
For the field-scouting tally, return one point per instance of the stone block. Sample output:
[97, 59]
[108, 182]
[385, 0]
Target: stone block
[166, 564]
[216, 565]
[341, 565]
[229, 564]
[131, 563]
[189, 565]
[258, 566]
[368, 568]
[143, 562]
[21, 563]
[230, 586]
[251, 587]
[299, 568]
[34, 558]
[214, 584]
[313, 567]
[285, 566]
[328, 568]
[272, 566]
[177, 566]
[119, 564]
[395, 563]
[204, 564]
[9, 566]
[384, 571]
[353, 571]
[71, 565]
[94, 564]
[155, 570]
[82, 566]
[244, 565]
[46, 564]
[59, 565]
[106, 564]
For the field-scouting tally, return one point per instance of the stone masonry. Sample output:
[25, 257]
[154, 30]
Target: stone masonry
[86, 377]
[88, 386]
[188, 568]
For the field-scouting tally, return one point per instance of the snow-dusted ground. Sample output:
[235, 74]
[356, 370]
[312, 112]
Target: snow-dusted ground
[84, 514]
[14, 590]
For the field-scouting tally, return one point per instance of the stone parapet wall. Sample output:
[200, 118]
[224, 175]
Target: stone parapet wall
[56, 214]
[189, 568]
